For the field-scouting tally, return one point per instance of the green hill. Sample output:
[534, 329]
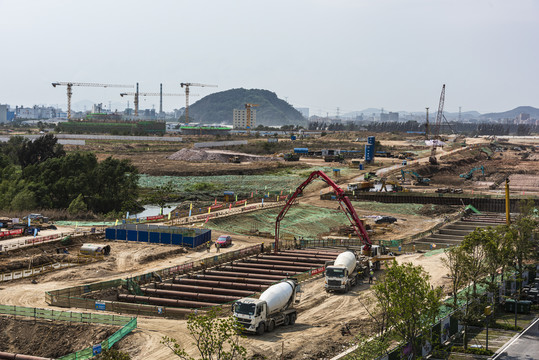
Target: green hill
[218, 108]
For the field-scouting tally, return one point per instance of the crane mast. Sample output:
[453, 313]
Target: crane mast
[138, 94]
[187, 86]
[70, 85]
[436, 133]
[248, 107]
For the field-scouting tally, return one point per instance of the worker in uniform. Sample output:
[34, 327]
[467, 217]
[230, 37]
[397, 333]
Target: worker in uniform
[217, 246]
[208, 245]
[371, 275]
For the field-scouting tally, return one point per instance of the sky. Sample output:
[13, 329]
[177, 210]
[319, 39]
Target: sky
[321, 54]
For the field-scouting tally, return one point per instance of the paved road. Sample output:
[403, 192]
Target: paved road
[525, 346]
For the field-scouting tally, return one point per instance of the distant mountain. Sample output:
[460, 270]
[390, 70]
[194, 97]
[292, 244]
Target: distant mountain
[534, 113]
[217, 108]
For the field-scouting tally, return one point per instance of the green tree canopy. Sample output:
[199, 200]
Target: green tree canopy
[408, 299]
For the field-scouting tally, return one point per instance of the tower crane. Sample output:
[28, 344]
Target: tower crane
[70, 90]
[248, 107]
[436, 132]
[137, 94]
[187, 85]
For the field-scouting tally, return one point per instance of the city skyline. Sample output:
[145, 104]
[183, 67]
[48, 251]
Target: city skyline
[318, 54]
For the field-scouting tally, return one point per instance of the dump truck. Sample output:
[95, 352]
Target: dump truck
[343, 273]
[291, 157]
[275, 307]
[361, 186]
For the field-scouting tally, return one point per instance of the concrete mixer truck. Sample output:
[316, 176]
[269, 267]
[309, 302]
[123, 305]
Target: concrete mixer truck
[275, 307]
[343, 273]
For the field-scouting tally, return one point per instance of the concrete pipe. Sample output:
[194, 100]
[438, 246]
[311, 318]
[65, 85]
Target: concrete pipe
[234, 279]
[275, 267]
[309, 256]
[254, 270]
[203, 289]
[279, 262]
[165, 302]
[183, 295]
[312, 252]
[292, 258]
[220, 284]
[234, 274]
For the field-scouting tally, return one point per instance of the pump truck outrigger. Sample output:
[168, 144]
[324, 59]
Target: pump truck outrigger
[347, 264]
[344, 203]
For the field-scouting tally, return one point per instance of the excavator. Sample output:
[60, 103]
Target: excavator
[419, 180]
[469, 174]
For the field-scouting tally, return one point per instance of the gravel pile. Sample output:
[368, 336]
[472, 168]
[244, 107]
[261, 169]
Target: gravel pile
[198, 155]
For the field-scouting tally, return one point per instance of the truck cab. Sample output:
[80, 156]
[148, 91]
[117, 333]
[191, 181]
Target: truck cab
[251, 314]
[337, 278]
[272, 309]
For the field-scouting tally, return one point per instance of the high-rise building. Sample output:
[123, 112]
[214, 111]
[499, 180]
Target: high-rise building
[3, 113]
[240, 119]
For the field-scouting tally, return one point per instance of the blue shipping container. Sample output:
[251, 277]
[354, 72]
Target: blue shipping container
[301, 150]
[370, 140]
[369, 153]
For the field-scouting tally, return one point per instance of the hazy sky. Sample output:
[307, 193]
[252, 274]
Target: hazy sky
[320, 54]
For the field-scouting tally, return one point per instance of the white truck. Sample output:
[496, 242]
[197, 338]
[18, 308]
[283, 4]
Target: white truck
[342, 273]
[275, 307]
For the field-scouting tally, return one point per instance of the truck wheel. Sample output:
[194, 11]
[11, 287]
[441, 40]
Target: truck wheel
[286, 321]
[292, 319]
[271, 326]
[260, 329]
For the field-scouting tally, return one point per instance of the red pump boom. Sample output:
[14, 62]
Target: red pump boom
[344, 203]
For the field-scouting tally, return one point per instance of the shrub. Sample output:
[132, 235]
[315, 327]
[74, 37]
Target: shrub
[475, 351]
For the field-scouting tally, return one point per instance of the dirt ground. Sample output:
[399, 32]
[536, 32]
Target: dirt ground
[50, 339]
[316, 334]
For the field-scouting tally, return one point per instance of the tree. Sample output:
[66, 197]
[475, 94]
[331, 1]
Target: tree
[39, 150]
[520, 234]
[215, 338]
[409, 300]
[455, 262]
[498, 255]
[24, 200]
[369, 349]
[77, 206]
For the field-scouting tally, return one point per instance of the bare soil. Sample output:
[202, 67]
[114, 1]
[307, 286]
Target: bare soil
[317, 333]
[50, 339]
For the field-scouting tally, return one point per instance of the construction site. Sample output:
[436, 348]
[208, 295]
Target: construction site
[284, 242]
[158, 280]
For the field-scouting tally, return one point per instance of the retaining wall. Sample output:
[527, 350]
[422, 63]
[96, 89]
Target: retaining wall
[480, 202]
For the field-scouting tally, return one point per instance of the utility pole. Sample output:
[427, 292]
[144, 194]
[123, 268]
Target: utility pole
[507, 203]
[160, 99]
[136, 101]
[427, 125]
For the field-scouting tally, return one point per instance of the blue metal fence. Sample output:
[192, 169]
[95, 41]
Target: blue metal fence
[156, 234]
